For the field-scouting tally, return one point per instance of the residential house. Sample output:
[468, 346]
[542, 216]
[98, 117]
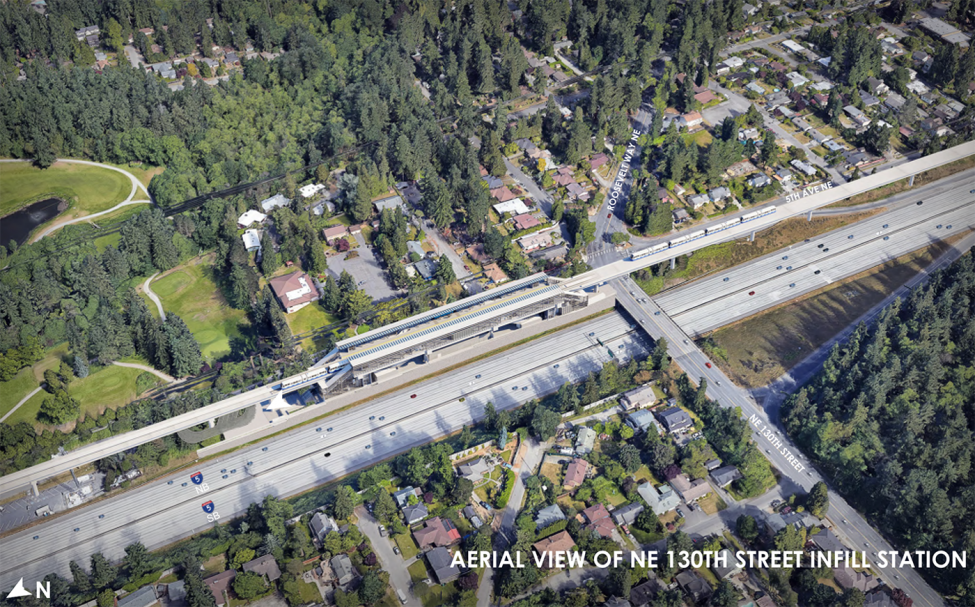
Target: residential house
[252, 240]
[755, 88]
[868, 99]
[321, 525]
[688, 490]
[441, 561]
[730, 566]
[538, 240]
[525, 221]
[878, 599]
[783, 175]
[494, 273]
[784, 111]
[712, 464]
[818, 137]
[627, 514]
[706, 97]
[577, 192]
[750, 10]
[415, 247]
[691, 120]
[548, 516]
[615, 601]
[232, 60]
[402, 497]
[83, 33]
[776, 521]
[563, 176]
[644, 594]
[585, 440]
[436, 532]
[718, 194]
[475, 470]
[219, 586]
[778, 67]
[642, 421]
[850, 578]
[801, 124]
[723, 477]
[833, 146]
[759, 180]
[278, 200]
[857, 115]
[598, 520]
[264, 566]
[176, 592]
[895, 102]
[765, 601]
[334, 234]
[426, 268]
[777, 100]
[793, 46]
[680, 216]
[694, 585]
[514, 206]
[876, 86]
[732, 63]
[947, 32]
[804, 167]
[143, 597]
[827, 541]
[675, 419]
[307, 191]
[820, 100]
[342, 570]
[575, 473]
[638, 397]
[249, 218]
[390, 202]
[796, 79]
[598, 160]
[294, 291]
[660, 500]
[493, 182]
[412, 193]
[560, 542]
[415, 513]
[164, 69]
[698, 200]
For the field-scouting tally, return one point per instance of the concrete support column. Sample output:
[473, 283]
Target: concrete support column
[752, 237]
[212, 422]
[809, 216]
[910, 181]
[33, 486]
[673, 263]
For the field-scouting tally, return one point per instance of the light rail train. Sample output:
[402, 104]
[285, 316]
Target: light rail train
[701, 233]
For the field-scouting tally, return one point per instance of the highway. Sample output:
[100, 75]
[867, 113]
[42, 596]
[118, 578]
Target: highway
[160, 513]
[727, 296]
[797, 473]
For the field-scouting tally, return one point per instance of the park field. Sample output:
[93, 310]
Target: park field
[88, 189]
[190, 292]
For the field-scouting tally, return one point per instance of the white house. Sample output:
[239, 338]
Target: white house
[278, 200]
[307, 191]
[252, 240]
[249, 218]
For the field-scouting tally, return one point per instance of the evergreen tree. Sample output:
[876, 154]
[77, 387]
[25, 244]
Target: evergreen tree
[445, 271]
[184, 351]
[269, 259]
[80, 366]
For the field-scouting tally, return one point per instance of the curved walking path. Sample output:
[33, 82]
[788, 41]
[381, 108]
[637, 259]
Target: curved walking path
[156, 372]
[154, 297]
[22, 401]
[136, 186]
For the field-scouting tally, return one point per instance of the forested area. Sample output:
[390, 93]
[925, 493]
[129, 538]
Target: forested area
[889, 418]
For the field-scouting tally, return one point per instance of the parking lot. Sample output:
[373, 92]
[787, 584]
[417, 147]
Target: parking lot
[366, 270]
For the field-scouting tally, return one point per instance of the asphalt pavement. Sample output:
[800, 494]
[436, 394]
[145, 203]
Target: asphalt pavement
[392, 563]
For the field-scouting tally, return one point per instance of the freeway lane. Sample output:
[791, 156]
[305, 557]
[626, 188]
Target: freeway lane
[724, 297]
[797, 474]
[159, 513]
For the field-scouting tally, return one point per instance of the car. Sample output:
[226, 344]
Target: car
[514, 388]
[820, 246]
[486, 506]
[372, 417]
[680, 513]
[846, 522]
[382, 530]
[184, 484]
[368, 446]
[329, 430]
[556, 366]
[826, 250]
[101, 516]
[884, 226]
[632, 292]
[657, 313]
[867, 544]
[382, 417]
[170, 483]
[726, 279]
[37, 537]
[817, 271]
[920, 202]
[948, 227]
[937, 227]
[318, 429]
[685, 342]
[591, 334]
[719, 383]
[751, 292]
[850, 237]
[792, 285]
[886, 237]
[250, 463]
[223, 470]
[477, 377]
[77, 529]
[524, 388]
[264, 449]
[622, 346]
[784, 257]
[412, 395]
[609, 215]
[972, 192]
[788, 267]
[769, 451]
[393, 433]
[708, 365]
[778, 267]
[226, 476]
[395, 549]
[233, 471]
[896, 577]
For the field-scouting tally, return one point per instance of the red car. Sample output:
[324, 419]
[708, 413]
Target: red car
[751, 292]
[609, 216]
[412, 395]
[708, 365]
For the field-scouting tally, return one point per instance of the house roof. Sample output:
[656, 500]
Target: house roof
[689, 490]
[693, 584]
[827, 541]
[250, 217]
[585, 440]
[560, 542]
[441, 562]
[850, 578]
[175, 591]
[639, 396]
[391, 202]
[536, 241]
[278, 200]
[643, 419]
[342, 566]
[335, 232]
[437, 532]
[627, 514]
[220, 583]
[511, 205]
[690, 117]
[494, 272]
[598, 160]
[264, 565]
[143, 597]
[526, 221]
[595, 512]
[575, 474]
[476, 252]
[415, 513]
[293, 289]
[307, 191]
[475, 469]
[322, 523]
[644, 593]
[660, 501]
[252, 239]
[401, 496]
[548, 515]
[730, 568]
[675, 418]
[724, 476]
[705, 97]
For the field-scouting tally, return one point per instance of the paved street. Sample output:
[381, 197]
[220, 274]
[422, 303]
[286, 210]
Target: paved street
[442, 247]
[543, 198]
[399, 575]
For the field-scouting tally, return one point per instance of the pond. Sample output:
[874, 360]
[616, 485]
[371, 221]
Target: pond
[18, 225]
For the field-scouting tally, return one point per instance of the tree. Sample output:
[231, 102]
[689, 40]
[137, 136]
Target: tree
[746, 528]
[725, 595]
[249, 585]
[558, 209]
[790, 539]
[105, 598]
[344, 503]
[621, 581]
[384, 508]
[372, 589]
[269, 259]
[659, 357]
[629, 458]
[197, 593]
[80, 579]
[137, 560]
[244, 555]
[817, 502]
[80, 366]
[445, 271]
[545, 421]
[103, 572]
[770, 151]
[183, 349]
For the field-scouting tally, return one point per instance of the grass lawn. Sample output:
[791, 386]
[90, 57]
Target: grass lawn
[26, 380]
[89, 189]
[607, 491]
[712, 503]
[728, 254]
[709, 576]
[102, 242]
[216, 564]
[765, 346]
[190, 292]
[309, 592]
[439, 595]
[570, 506]
[418, 571]
[702, 138]
[407, 546]
[643, 474]
[308, 318]
[143, 173]
[17, 388]
[107, 387]
[553, 472]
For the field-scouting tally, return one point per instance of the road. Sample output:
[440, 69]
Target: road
[724, 297]
[543, 198]
[399, 575]
[159, 513]
[797, 474]
[154, 297]
[442, 247]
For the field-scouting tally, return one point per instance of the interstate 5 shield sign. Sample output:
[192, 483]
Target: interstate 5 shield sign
[197, 478]
[208, 507]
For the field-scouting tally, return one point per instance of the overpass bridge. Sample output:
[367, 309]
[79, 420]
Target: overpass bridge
[370, 357]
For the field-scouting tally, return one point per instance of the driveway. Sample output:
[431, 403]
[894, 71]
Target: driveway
[442, 247]
[133, 55]
[399, 575]
[543, 198]
[365, 268]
